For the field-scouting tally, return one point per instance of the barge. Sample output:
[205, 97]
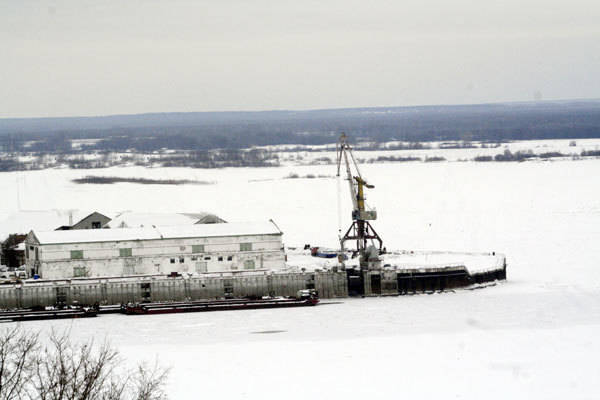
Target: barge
[37, 315]
[217, 305]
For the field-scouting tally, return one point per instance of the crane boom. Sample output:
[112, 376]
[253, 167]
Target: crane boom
[343, 150]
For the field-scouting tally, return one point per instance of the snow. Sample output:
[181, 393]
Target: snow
[533, 336]
[95, 235]
[227, 229]
[163, 232]
[22, 221]
[414, 260]
[563, 146]
[130, 219]
[492, 343]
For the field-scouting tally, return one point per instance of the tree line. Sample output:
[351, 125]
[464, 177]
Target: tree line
[207, 131]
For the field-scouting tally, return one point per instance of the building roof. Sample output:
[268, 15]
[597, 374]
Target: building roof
[43, 220]
[84, 221]
[129, 219]
[156, 233]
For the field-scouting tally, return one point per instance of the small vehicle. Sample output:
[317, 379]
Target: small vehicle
[323, 253]
[306, 294]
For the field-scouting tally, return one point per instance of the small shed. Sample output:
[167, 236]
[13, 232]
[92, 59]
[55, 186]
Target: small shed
[93, 221]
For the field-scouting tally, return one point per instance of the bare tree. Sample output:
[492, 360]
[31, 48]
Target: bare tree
[62, 370]
[17, 348]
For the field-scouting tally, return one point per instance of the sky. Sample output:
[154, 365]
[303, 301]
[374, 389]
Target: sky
[75, 58]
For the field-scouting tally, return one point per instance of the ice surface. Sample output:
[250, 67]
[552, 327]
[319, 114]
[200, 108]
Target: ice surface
[533, 336]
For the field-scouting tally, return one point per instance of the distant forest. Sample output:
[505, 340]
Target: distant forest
[239, 130]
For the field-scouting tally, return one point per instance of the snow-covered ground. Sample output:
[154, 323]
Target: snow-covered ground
[570, 148]
[533, 336]
[412, 260]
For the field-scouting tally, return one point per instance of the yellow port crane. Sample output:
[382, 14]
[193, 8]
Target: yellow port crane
[361, 230]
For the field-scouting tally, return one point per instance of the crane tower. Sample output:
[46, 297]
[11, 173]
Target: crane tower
[361, 230]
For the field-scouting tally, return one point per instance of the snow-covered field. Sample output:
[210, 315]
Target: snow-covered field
[533, 336]
[570, 148]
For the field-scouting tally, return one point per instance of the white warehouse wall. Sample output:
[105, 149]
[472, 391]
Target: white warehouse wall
[155, 256]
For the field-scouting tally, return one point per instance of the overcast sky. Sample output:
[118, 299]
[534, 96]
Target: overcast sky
[60, 58]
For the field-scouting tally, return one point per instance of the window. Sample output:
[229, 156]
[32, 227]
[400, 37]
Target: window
[96, 225]
[245, 246]
[194, 258]
[229, 258]
[201, 267]
[249, 264]
[228, 287]
[76, 254]
[181, 259]
[125, 252]
[197, 248]
[61, 295]
[172, 261]
[207, 258]
[220, 258]
[146, 291]
[79, 272]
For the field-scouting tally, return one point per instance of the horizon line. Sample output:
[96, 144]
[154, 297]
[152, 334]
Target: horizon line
[249, 111]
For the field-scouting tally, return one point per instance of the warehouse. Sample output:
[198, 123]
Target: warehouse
[164, 250]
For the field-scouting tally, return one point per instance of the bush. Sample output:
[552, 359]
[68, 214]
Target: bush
[518, 156]
[434, 159]
[590, 153]
[393, 159]
[552, 154]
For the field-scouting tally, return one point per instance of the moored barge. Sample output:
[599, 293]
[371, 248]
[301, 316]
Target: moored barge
[36, 315]
[304, 298]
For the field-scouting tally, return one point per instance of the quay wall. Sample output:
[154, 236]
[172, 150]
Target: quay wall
[111, 291]
[159, 288]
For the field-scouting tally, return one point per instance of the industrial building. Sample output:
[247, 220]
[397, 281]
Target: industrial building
[167, 250]
[13, 229]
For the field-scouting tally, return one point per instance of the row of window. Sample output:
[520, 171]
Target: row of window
[196, 248]
[207, 258]
[201, 266]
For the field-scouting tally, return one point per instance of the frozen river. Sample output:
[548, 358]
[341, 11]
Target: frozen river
[497, 342]
[533, 336]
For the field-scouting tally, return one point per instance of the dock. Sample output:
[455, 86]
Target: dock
[403, 273]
